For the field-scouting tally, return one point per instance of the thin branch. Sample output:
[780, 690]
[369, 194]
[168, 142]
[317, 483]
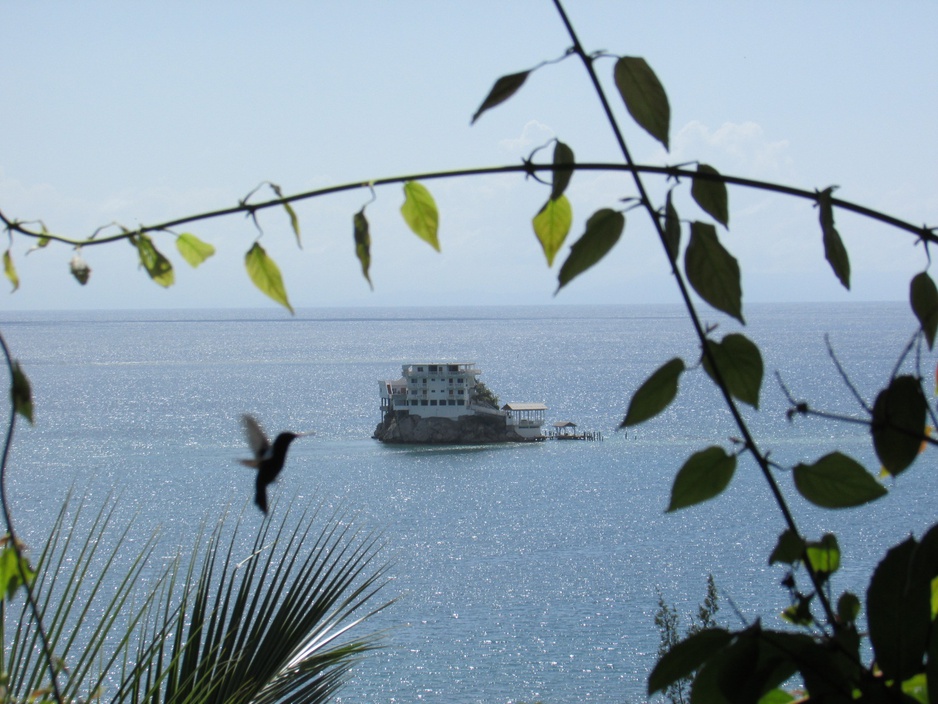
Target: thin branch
[15, 543]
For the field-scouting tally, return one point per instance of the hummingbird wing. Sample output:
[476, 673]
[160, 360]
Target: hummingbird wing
[257, 440]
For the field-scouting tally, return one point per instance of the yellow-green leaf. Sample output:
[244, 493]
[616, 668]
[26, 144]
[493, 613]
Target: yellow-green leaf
[265, 274]
[13, 567]
[294, 221]
[824, 555]
[153, 261]
[192, 249]
[362, 243]
[10, 270]
[420, 213]
[710, 194]
[552, 224]
[603, 230]
[712, 271]
[644, 96]
[21, 392]
[504, 88]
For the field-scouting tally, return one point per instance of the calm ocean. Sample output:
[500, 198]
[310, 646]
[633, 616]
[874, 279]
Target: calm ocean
[524, 572]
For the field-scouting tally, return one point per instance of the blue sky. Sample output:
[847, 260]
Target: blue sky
[142, 112]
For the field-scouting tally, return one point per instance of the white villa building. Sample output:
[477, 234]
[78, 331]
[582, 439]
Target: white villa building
[446, 390]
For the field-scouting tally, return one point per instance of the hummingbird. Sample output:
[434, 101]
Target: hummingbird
[268, 459]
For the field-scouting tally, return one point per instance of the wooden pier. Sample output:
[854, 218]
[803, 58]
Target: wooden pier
[566, 430]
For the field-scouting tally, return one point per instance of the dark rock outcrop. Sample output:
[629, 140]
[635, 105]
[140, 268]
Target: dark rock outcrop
[404, 427]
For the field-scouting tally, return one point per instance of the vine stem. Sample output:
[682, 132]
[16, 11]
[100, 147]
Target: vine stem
[14, 540]
[748, 439]
[924, 233]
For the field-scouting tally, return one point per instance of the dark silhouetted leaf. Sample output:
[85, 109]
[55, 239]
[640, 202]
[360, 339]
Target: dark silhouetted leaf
[712, 271]
[362, 243]
[836, 481]
[603, 230]
[12, 568]
[10, 270]
[672, 230]
[504, 88]
[924, 298]
[294, 221]
[265, 274]
[420, 213]
[710, 194]
[153, 261]
[789, 549]
[824, 555]
[552, 224]
[79, 268]
[740, 365]
[563, 157]
[848, 607]
[22, 393]
[192, 249]
[834, 250]
[899, 423]
[644, 96]
[686, 657]
[655, 394]
[704, 475]
[898, 612]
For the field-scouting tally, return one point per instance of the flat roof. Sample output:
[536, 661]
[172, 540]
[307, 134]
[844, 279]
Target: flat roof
[525, 407]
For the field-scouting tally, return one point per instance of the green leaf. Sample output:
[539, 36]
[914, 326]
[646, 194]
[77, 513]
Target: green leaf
[712, 271]
[12, 568]
[362, 243]
[789, 550]
[552, 224]
[294, 221]
[686, 657]
[563, 157]
[834, 250]
[10, 270]
[420, 213]
[924, 298]
[710, 194]
[899, 423]
[655, 394]
[704, 475]
[504, 88]
[603, 230]
[824, 555]
[740, 365]
[672, 230]
[837, 481]
[79, 268]
[192, 249]
[776, 696]
[898, 613]
[21, 392]
[153, 261]
[644, 96]
[265, 274]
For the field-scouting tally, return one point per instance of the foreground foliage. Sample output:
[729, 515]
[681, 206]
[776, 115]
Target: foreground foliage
[825, 644]
[223, 624]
